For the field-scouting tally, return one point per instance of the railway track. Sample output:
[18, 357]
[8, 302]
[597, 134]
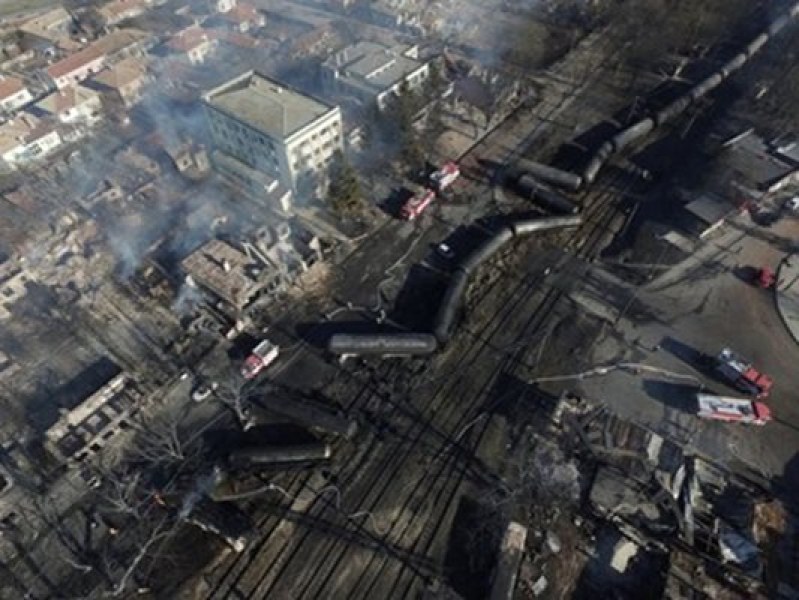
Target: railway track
[371, 478]
[443, 492]
[451, 414]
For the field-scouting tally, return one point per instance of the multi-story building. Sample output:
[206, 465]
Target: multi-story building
[243, 17]
[118, 10]
[122, 83]
[25, 139]
[13, 94]
[227, 273]
[52, 25]
[273, 129]
[387, 13]
[194, 43]
[73, 104]
[89, 427]
[261, 267]
[75, 68]
[89, 61]
[373, 72]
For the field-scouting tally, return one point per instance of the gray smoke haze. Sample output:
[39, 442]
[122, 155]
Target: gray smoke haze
[187, 299]
[173, 213]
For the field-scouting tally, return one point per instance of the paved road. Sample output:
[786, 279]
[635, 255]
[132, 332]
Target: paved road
[704, 304]
[787, 294]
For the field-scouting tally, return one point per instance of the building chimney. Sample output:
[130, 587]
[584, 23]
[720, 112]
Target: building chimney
[226, 266]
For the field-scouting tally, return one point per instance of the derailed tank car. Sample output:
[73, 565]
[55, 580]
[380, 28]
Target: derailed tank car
[314, 415]
[223, 519]
[546, 197]
[385, 344]
[277, 455]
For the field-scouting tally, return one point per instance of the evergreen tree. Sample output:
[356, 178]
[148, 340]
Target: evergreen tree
[403, 111]
[344, 192]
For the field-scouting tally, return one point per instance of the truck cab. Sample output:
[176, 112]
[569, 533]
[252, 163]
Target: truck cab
[741, 374]
[765, 278]
[444, 177]
[732, 410]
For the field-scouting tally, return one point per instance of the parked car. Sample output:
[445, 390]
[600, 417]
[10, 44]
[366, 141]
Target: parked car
[445, 251]
[203, 391]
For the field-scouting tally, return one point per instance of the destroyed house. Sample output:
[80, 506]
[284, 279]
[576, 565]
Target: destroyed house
[92, 425]
[707, 518]
[226, 272]
[261, 266]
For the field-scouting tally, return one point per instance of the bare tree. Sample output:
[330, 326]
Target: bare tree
[649, 30]
[138, 499]
[159, 440]
[235, 393]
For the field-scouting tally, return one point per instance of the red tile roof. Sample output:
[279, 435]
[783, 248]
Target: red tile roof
[189, 38]
[114, 41]
[10, 86]
[73, 62]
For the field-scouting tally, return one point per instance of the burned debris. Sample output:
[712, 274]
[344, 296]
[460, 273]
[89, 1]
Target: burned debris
[269, 291]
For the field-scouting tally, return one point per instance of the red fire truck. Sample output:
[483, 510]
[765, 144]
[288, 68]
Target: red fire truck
[444, 177]
[263, 355]
[414, 206]
[741, 374]
[732, 410]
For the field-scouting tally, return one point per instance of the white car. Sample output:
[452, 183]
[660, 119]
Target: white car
[202, 392]
[445, 251]
[792, 204]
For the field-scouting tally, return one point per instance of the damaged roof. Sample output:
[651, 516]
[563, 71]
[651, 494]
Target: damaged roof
[223, 270]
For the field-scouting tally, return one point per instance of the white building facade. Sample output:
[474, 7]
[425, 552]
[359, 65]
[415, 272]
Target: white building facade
[13, 95]
[275, 130]
[74, 104]
[374, 72]
[26, 139]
